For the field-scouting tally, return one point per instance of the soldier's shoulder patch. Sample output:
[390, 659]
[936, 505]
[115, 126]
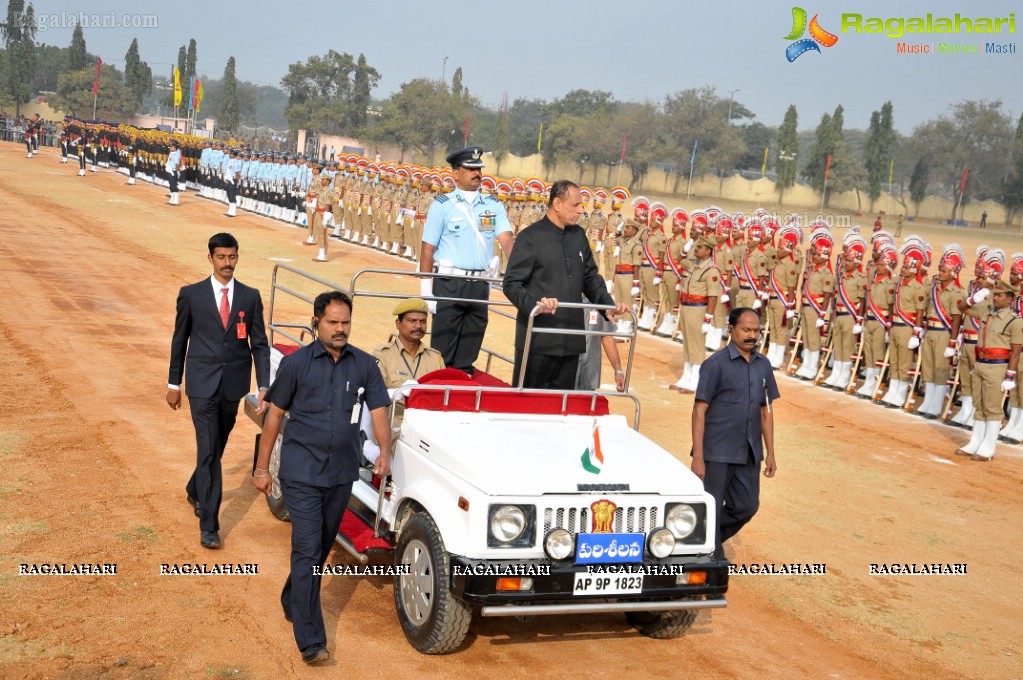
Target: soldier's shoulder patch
[713, 277]
[441, 198]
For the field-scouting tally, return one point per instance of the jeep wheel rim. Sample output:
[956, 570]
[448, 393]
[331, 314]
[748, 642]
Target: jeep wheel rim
[275, 468]
[417, 585]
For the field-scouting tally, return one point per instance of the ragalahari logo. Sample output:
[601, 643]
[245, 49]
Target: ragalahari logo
[818, 36]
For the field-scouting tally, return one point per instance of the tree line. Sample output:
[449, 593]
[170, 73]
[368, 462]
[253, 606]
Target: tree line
[586, 133]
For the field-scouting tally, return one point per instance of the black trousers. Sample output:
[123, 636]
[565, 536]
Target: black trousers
[213, 420]
[172, 181]
[736, 489]
[232, 192]
[458, 328]
[316, 513]
[547, 371]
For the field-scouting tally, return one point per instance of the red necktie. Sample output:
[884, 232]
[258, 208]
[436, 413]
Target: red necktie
[225, 307]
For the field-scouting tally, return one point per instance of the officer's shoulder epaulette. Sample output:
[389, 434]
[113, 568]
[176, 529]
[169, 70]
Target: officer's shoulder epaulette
[441, 198]
[383, 347]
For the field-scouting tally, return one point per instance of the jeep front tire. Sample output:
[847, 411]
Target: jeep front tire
[434, 620]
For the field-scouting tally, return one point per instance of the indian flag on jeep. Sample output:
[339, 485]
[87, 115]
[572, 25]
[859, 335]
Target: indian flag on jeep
[593, 458]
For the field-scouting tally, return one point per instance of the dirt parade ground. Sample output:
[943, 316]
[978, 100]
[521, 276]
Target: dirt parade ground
[94, 465]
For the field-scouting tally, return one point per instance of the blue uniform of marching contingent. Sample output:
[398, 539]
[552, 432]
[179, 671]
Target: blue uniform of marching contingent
[458, 238]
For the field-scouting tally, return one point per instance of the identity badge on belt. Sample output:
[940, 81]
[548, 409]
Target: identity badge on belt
[593, 318]
[240, 327]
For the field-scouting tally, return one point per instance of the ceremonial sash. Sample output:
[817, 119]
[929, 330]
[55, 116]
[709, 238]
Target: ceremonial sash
[849, 305]
[810, 300]
[749, 273]
[779, 292]
[898, 307]
[671, 263]
[647, 253]
[944, 317]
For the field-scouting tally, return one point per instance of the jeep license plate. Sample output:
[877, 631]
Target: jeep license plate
[607, 584]
[609, 548]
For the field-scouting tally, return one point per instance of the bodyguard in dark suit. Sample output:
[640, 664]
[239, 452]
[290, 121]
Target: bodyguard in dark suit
[323, 386]
[733, 425]
[218, 333]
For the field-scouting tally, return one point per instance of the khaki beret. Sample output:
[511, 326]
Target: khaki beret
[1002, 287]
[708, 241]
[411, 305]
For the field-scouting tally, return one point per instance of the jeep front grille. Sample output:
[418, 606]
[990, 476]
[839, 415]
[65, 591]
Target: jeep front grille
[577, 520]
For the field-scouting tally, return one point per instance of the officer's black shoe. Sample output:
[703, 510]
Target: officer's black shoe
[210, 539]
[195, 505]
[315, 654]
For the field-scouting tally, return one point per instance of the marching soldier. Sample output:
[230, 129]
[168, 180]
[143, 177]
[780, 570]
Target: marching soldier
[324, 204]
[908, 313]
[700, 294]
[654, 245]
[1013, 430]
[752, 269]
[851, 287]
[724, 260]
[817, 293]
[613, 230]
[629, 259]
[986, 270]
[879, 298]
[943, 324]
[674, 266]
[998, 349]
[784, 281]
[311, 196]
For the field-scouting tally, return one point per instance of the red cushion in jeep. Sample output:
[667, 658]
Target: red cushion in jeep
[285, 349]
[494, 401]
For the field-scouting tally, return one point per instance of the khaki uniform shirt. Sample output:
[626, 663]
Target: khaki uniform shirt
[949, 298]
[399, 366]
[855, 285]
[703, 281]
[910, 297]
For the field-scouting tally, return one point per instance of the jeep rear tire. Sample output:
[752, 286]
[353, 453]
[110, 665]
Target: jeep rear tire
[662, 625]
[434, 620]
[275, 499]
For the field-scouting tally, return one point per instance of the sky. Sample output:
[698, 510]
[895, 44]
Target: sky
[638, 50]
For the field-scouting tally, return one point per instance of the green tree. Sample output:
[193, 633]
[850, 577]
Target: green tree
[417, 117]
[114, 101]
[788, 153]
[19, 52]
[1013, 193]
[228, 116]
[826, 139]
[183, 61]
[500, 144]
[329, 94]
[975, 135]
[138, 77]
[524, 118]
[918, 182]
[365, 79]
[878, 151]
[191, 60]
[78, 58]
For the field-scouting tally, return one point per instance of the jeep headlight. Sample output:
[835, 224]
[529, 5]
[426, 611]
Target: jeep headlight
[661, 543]
[559, 544]
[510, 526]
[681, 520]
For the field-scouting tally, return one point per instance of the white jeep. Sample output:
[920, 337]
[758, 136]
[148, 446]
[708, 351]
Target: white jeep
[513, 502]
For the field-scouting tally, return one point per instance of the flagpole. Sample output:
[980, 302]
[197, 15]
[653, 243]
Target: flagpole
[94, 98]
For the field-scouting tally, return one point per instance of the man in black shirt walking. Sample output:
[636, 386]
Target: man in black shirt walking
[551, 262]
[733, 425]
